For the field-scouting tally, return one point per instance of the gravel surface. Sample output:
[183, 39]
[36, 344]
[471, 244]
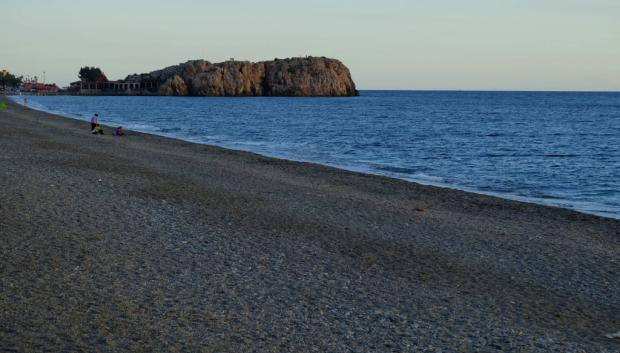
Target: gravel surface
[147, 244]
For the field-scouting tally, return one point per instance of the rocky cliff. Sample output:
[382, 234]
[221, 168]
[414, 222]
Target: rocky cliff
[308, 76]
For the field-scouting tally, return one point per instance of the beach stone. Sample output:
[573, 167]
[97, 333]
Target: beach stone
[615, 335]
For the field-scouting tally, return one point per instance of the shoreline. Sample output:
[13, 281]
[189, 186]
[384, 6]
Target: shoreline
[148, 243]
[556, 203]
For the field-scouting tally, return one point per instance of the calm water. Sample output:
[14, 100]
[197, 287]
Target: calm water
[560, 149]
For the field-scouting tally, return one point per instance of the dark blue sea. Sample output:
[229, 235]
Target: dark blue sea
[552, 148]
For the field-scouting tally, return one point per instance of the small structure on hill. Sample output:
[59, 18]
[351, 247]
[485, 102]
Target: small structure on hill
[94, 82]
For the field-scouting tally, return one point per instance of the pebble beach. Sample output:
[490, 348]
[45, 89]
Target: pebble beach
[143, 243]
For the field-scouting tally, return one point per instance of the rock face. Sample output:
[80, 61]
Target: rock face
[234, 78]
[174, 86]
[308, 76]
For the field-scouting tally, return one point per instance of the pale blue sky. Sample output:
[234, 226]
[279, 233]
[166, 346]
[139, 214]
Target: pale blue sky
[389, 44]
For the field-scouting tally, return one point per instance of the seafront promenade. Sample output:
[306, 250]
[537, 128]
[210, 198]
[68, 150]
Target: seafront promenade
[143, 244]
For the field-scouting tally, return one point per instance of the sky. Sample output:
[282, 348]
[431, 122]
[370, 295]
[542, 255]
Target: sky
[571, 45]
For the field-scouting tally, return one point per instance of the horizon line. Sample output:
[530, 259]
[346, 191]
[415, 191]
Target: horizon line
[488, 90]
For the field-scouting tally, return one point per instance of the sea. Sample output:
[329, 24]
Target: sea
[552, 148]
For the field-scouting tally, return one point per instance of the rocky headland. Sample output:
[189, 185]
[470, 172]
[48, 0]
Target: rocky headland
[309, 76]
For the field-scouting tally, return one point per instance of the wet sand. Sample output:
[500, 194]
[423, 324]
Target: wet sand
[143, 243]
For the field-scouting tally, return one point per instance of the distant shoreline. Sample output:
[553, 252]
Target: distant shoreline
[361, 91]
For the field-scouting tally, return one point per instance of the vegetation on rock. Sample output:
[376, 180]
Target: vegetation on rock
[92, 74]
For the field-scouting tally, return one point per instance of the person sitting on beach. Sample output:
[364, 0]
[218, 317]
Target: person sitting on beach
[119, 131]
[97, 130]
[94, 121]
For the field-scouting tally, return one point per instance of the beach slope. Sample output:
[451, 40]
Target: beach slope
[143, 244]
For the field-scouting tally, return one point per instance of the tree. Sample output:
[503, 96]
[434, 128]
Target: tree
[91, 74]
[7, 79]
